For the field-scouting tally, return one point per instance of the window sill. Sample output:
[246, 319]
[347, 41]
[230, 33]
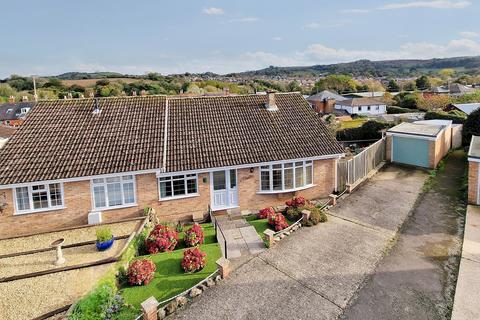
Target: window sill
[130, 205]
[285, 191]
[193, 195]
[19, 213]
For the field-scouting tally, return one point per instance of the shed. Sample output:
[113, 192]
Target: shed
[422, 143]
[473, 171]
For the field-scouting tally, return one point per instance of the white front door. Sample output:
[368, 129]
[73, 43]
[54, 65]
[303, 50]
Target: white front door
[224, 189]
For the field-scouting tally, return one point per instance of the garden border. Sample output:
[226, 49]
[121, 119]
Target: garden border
[112, 259]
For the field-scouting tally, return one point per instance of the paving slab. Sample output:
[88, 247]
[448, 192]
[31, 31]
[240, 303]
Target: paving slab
[467, 299]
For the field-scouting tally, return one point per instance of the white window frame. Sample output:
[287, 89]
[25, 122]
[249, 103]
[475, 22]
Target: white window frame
[185, 179]
[305, 164]
[30, 198]
[105, 183]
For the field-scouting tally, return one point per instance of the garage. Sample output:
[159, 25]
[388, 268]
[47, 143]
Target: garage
[421, 144]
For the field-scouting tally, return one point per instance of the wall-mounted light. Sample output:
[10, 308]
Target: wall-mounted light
[204, 180]
[252, 169]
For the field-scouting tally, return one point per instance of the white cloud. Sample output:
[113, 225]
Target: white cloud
[356, 11]
[469, 34]
[316, 25]
[277, 38]
[437, 4]
[440, 4]
[245, 19]
[213, 11]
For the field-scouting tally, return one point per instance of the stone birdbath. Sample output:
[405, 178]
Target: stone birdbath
[57, 244]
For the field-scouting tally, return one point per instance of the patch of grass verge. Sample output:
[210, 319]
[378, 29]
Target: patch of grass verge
[170, 279]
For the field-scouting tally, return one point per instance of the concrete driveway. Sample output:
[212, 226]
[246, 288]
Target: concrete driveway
[315, 272]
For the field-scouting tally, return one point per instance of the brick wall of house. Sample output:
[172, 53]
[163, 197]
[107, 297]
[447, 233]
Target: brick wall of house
[78, 201]
[472, 182]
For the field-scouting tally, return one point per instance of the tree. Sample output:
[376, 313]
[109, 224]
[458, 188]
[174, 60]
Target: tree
[388, 98]
[393, 86]
[409, 86]
[407, 100]
[423, 83]
[336, 82]
[294, 86]
[373, 85]
[436, 102]
[471, 127]
[446, 73]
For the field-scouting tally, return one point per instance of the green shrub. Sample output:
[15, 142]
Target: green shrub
[103, 234]
[293, 214]
[369, 130]
[455, 117]
[316, 216]
[397, 110]
[471, 127]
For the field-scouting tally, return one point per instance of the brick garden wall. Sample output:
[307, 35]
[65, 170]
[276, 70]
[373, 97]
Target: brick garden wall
[472, 182]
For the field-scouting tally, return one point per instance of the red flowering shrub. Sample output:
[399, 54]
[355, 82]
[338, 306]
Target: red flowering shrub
[296, 202]
[193, 260]
[277, 221]
[161, 239]
[265, 213]
[194, 236]
[141, 272]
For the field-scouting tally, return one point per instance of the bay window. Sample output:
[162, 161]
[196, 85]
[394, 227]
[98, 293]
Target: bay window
[113, 192]
[287, 176]
[178, 186]
[39, 197]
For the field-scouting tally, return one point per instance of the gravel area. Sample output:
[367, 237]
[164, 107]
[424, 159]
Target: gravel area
[33, 297]
[42, 241]
[44, 260]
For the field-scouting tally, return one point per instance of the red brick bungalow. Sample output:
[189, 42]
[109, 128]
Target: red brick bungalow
[178, 155]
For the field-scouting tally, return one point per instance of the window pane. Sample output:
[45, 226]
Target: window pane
[288, 176]
[277, 166]
[114, 192]
[165, 189]
[128, 193]
[113, 179]
[38, 187]
[55, 194]
[165, 178]
[98, 181]
[99, 196]
[219, 180]
[191, 186]
[265, 180]
[299, 164]
[178, 187]
[40, 199]
[127, 178]
[178, 177]
[233, 179]
[277, 179]
[299, 177]
[309, 174]
[288, 165]
[22, 198]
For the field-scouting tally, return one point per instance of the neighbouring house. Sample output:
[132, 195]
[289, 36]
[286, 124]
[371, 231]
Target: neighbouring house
[13, 113]
[466, 108]
[370, 94]
[324, 101]
[362, 106]
[473, 171]
[110, 158]
[5, 134]
[421, 143]
[453, 89]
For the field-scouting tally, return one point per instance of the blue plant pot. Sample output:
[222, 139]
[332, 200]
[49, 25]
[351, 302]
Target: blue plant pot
[102, 246]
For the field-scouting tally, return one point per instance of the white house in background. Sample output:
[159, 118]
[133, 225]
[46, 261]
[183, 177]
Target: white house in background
[362, 106]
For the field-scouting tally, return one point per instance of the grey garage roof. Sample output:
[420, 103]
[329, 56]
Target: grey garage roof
[474, 151]
[417, 129]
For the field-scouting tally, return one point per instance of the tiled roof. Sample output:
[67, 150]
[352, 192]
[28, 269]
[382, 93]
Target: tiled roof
[6, 132]
[325, 95]
[63, 139]
[13, 111]
[360, 102]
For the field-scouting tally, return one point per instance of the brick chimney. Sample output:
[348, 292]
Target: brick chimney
[134, 93]
[143, 93]
[11, 99]
[271, 104]
[226, 91]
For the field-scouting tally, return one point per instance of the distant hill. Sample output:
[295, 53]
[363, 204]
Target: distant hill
[89, 75]
[367, 68]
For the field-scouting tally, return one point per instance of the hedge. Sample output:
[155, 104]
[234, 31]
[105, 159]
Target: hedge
[455, 117]
[396, 110]
[369, 130]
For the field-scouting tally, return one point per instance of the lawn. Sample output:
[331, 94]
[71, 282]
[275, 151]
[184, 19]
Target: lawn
[352, 123]
[261, 225]
[170, 279]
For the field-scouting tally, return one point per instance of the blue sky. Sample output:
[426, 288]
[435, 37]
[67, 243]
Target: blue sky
[50, 37]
